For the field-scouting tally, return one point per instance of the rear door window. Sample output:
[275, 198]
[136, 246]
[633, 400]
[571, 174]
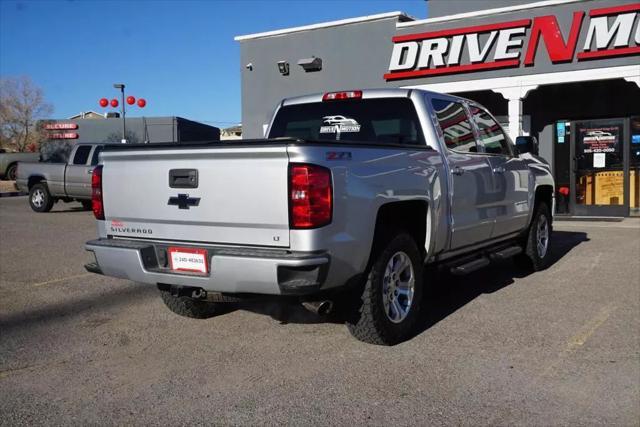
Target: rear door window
[491, 134]
[82, 155]
[96, 155]
[388, 120]
[456, 126]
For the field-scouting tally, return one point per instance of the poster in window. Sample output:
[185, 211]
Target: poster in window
[600, 139]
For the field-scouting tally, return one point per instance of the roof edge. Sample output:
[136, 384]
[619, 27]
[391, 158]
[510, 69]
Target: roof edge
[485, 12]
[402, 17]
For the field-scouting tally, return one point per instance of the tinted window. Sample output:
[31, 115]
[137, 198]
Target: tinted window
[82, 154]
[96, 154]
[390, 120]
[491, 134]
[455, 125]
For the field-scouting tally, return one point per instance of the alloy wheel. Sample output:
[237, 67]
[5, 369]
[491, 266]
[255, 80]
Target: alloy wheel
[398, 287]
[542, 236]
[38, 198]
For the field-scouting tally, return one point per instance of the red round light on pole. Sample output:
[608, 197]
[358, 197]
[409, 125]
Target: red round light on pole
[104, 102]
[114, 103]
[131, 100]
[141, 102]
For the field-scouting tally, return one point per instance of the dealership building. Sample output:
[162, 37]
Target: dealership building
[564, 71]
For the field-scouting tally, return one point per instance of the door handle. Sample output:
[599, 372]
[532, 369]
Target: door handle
[89, 172]
[499, 169]
[457, 170]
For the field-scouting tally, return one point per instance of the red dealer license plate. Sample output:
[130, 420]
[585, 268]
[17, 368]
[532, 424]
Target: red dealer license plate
[188, 259]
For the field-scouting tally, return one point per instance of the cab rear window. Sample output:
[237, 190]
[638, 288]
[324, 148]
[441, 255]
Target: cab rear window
[385, 120]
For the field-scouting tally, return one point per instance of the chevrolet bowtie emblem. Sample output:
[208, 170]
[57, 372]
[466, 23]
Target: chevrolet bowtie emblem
[183, 201]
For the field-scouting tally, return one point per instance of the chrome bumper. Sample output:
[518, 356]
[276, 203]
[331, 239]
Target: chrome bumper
[257, 271]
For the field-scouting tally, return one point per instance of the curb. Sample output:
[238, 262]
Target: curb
[13, 194]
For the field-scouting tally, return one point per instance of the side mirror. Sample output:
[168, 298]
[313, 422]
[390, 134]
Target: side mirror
[527, 144]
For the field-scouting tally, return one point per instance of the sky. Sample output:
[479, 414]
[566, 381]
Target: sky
[179, 56]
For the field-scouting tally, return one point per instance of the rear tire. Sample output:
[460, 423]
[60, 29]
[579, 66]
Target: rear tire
[40, 199]
[536, 248]
[87, 205]
[11, 172]
[390, 302]
[189, 307]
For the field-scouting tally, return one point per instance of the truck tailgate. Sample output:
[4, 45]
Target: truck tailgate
[242, 194]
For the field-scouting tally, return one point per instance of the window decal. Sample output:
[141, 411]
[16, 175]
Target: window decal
[339, 124]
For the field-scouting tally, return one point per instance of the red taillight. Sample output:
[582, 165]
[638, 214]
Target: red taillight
[96, 193]
[336, 96]
[310, 198]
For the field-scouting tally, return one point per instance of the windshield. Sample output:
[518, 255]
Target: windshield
[388, 120]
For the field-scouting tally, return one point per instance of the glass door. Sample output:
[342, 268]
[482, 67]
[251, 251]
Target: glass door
[634, 168]
[600, 183]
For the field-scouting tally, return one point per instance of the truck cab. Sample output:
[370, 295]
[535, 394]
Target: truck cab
[48, 183]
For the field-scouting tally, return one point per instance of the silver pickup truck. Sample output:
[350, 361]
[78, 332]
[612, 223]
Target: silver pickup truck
[9, 163]
[48, 183]
[352, 193]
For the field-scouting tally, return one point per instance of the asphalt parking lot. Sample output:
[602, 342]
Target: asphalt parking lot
[496, 348]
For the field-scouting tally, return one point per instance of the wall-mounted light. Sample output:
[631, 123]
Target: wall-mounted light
[311, 64]
[249, 66]
[283, 67]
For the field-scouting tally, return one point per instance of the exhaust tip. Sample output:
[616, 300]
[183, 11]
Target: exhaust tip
[320, 308]
[325, 307]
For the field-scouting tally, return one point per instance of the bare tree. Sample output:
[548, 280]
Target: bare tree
[22, 104]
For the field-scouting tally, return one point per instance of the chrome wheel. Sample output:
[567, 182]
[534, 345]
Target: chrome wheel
[542, 236]
[398, 287]
[37, 198]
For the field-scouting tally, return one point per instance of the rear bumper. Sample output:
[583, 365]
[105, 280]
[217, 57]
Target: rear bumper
[232, 270]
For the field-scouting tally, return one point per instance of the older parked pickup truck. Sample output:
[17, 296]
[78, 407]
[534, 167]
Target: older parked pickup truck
[351, 193]
[9, 163]
[48, 183]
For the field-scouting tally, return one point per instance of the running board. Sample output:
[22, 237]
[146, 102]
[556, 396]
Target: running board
[506, 253]
[483, 261]
[470, 266]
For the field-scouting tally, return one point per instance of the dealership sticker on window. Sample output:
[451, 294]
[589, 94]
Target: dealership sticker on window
[560, 130]
[599, 160]
[339, 124]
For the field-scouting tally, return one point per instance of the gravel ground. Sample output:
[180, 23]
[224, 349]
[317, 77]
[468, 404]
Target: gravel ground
[560, 347]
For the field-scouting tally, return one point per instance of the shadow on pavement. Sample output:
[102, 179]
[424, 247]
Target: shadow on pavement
[444, 294]
[69, 209]
[73, 307]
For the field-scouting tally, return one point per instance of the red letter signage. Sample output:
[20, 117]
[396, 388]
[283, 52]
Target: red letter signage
[608, 33]
[547, 26]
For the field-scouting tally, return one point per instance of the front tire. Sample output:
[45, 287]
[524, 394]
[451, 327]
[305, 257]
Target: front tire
[390, 302]
[536, 248]
[40, 199]
[189, 307]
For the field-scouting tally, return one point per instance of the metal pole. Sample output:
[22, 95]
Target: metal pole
[124, 123]
[122, 112]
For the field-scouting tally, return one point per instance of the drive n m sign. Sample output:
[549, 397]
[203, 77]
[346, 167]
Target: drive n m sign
[608, 32]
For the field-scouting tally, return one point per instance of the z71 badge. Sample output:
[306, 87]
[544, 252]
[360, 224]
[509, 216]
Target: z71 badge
[338, 155]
